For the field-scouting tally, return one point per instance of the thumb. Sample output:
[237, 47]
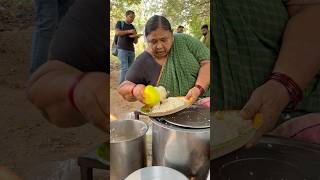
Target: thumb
[251, 108]
[189, 95]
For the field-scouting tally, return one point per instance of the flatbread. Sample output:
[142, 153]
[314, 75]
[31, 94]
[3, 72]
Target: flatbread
[168, 106]
[229, 133]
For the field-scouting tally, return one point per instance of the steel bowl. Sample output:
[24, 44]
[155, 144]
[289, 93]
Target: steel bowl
[156, 173]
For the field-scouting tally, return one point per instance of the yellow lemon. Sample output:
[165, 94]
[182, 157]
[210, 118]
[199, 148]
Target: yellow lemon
[151, 95]
[257, 121]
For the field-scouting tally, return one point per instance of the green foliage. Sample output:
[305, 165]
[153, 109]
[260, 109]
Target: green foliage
[190, 14]
[103, 151]
[119, 8]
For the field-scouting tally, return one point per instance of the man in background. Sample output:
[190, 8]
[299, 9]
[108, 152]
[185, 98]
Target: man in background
[205, 39]
[48, 14]
[180, 29]
[127, 35]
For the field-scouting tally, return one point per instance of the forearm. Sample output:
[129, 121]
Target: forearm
[48, 90]
[122, 33]
[204, 75]
[299, 56]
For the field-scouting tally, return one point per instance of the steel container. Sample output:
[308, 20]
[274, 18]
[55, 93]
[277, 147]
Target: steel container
[127, 147]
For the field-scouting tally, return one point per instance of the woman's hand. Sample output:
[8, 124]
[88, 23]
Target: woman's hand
[269, 99]
[131, 31]
[125, 90]
[138, 92]
[90, 97]
[193, 94]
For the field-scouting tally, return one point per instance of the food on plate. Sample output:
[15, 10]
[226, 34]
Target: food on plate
[169, 104]
[163, 93]
[228, 125]
[165, 105]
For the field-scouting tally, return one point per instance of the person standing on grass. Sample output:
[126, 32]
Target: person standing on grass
[127, 35]
[48, 14]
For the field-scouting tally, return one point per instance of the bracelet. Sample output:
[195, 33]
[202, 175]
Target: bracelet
[294, 91]
[71, 90]
[200, 88]
[133, 89]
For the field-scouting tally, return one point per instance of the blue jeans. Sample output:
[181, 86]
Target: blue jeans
[48, 15]
[126, 59]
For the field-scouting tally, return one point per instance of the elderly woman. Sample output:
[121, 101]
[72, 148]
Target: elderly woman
[178, 62]
[268, 61]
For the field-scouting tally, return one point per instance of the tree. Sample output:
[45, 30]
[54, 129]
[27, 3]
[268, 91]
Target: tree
[119, 7]
[191, 14]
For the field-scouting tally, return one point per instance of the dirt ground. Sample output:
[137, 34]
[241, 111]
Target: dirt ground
[119, 107]
[29, 145]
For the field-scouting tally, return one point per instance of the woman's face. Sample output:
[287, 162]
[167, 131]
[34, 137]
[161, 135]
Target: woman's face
[160, 42]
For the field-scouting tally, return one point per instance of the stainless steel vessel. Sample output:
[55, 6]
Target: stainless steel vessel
[127, 147]
[182, 141]
[156, 173]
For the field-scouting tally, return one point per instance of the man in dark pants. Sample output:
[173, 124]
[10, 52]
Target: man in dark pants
[48, 14]
[127, 35]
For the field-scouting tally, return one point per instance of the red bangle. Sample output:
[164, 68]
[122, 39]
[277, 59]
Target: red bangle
[200, 88]
[294, 91]
[71, 91]
[133, 89]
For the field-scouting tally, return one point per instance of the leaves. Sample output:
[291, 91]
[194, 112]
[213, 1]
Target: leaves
[190, 14]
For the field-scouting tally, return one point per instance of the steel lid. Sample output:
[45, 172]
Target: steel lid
[193, 117]
[156, 173]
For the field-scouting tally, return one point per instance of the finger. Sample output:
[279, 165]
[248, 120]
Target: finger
[189, 95]
[95, 114]
[141, 96]
[251, 108]
[268, 123]
[102, 101]
[100, 120]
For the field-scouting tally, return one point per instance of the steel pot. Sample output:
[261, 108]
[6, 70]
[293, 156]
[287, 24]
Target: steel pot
[182, 147]
[127, 147]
